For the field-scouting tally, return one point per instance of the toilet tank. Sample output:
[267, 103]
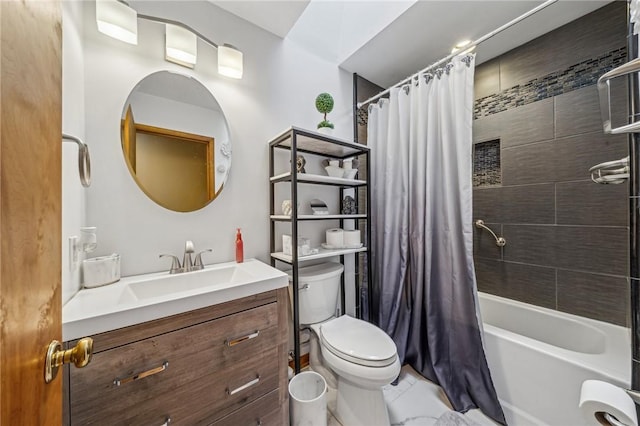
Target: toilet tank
[318, 289]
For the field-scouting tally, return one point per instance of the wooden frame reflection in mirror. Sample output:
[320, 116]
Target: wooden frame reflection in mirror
[175, 169]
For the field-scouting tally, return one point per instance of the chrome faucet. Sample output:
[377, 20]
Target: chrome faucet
[175, 264]
[187, 262]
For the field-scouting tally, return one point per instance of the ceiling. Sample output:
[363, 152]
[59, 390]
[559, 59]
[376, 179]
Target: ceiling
[275, 16]
[386, 41]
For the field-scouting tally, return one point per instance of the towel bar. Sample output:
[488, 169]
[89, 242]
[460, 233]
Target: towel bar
[84, 160]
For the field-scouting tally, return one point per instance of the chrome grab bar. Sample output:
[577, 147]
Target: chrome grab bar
[616, 171]
[604, 92]
[500, 241]
[84, 159]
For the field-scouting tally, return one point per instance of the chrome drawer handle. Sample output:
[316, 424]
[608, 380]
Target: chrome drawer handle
[237, 340]
[142, 375]
[245, 386]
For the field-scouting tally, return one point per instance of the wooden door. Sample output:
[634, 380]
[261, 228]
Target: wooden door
[129, 138]
[30, 209]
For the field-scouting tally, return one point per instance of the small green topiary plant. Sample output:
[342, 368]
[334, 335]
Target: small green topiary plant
[324, 105]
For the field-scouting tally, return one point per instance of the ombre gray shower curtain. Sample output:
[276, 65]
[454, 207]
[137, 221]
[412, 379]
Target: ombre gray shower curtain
[422, 261]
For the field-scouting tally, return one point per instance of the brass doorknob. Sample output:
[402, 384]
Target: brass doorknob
[80, 356]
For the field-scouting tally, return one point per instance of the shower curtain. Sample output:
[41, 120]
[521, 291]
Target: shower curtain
[422, 262]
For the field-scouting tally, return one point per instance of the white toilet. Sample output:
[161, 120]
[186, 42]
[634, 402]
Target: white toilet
[362, 356]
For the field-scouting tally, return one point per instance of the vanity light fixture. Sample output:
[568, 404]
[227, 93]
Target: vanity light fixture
[118, 20]
[229, 61]
[181, 46]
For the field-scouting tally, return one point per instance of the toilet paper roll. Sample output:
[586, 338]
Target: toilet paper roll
[351, 238]
[598, 397]
[335, 237]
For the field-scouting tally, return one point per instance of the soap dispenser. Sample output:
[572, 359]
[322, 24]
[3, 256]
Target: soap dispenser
[239, 247]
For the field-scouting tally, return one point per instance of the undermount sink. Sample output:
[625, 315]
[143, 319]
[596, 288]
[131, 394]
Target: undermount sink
[137, 299]
[165, 285]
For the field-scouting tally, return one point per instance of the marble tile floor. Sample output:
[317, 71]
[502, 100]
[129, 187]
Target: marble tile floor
[414, 401]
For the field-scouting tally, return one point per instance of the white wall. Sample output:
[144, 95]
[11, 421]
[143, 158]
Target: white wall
[278, 90]
[73, 202]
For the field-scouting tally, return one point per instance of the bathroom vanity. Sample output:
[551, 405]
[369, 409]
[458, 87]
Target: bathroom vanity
[222, 364]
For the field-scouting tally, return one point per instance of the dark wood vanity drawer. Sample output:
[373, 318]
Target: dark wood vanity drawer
[253, 379]
[206, 400]
[264, 411]
[233, 347]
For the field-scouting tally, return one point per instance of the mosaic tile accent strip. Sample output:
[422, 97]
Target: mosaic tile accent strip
[585, 73]
[363, 115]
[486, 164]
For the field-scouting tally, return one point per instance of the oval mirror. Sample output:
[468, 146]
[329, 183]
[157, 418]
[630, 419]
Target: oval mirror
[175, 141]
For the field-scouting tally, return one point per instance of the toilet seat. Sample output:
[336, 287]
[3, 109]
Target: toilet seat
[358, 342]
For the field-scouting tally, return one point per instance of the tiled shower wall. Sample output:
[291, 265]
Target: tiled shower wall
[567, 237]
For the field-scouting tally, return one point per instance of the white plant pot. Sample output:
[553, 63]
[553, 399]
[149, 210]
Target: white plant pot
[325, 130]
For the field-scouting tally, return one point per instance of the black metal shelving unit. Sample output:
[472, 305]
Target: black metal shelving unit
[297, 140]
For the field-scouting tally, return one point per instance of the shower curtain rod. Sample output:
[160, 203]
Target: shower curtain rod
[469, 46]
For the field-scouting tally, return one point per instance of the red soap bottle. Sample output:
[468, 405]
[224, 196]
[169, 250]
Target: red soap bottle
[239, 247]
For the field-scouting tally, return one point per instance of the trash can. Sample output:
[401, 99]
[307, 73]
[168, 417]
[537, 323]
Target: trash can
[308, 399]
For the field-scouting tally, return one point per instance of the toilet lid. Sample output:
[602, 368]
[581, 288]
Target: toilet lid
[358, 341]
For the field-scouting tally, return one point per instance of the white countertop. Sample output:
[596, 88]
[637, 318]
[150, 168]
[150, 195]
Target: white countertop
[101, 309]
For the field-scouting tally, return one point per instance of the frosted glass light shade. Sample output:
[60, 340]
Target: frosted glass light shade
[229, 61]
[181, 46]
[117, 20]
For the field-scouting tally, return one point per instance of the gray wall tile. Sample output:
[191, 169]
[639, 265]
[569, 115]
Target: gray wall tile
[527, 283]
[592, 249]
[487, 128]
[517, 126]
[533, 163]
[528, 123]
[619, 102]
[592, 35]
[578, 112]
[565, 159]
[515, 204]
[487, 79]
[575, 155]
[487, 204]
[586, 203]
[530, 244]
[599, 297]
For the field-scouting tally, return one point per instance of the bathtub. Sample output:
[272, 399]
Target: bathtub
[539, 358]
